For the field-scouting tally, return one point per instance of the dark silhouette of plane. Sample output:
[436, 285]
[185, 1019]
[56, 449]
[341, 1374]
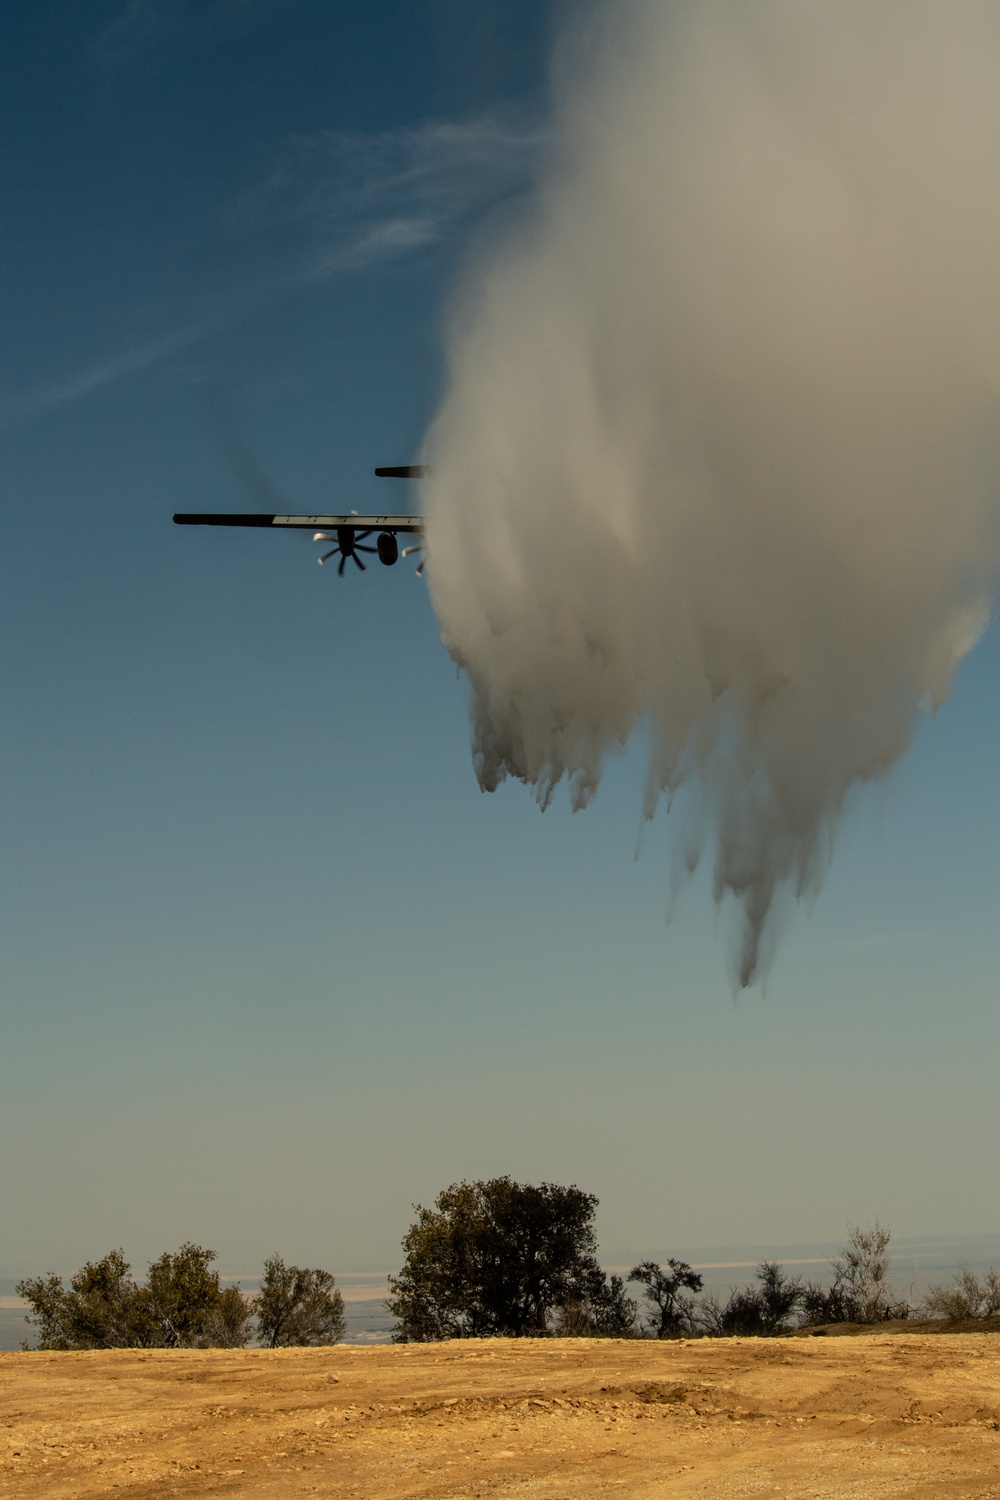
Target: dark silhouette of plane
[348, 533]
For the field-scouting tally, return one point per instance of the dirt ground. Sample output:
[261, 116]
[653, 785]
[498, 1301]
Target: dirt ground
[907, 1415]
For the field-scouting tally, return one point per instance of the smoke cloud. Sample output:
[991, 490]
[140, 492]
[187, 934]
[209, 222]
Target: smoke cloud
[718, 453]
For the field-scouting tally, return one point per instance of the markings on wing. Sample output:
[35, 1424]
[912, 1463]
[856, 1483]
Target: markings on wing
[360, 523]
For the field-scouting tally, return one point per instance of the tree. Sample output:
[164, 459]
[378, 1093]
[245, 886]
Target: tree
[606, 1312]
[229, 1323]
[779, 1296]
[614, 1315]
[297, 1307]
[670, 1314]
[101, 1309]
[861, 1291]
[180, 1306]
[46, 1296]
[495, 1257]
[181, 1294]
[862, 1268]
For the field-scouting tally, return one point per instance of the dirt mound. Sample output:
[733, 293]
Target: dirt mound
[562, 1419]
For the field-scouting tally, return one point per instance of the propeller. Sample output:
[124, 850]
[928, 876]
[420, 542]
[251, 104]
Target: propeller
[348, 544]
[417, 547]
[248, 471]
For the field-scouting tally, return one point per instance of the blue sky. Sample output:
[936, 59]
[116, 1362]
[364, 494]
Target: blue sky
[272, 967]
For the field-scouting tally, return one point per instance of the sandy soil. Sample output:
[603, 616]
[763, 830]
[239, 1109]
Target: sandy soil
[878, 1415]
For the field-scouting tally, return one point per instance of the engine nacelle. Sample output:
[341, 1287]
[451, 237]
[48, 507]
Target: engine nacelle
[387, 548]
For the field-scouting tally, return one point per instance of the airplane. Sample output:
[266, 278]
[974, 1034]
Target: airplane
[348, 533]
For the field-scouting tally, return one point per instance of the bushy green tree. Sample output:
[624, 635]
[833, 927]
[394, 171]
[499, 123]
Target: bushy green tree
[180, 1306]
[181, 1293]
[671, 1313]
[496, 1257]
[46, 1296]
[297, 1307]
[229, 1322]
[102, 1308]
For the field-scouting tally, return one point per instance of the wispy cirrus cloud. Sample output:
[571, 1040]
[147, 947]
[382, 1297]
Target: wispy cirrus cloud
[354, 200]
[338, 203]
[136, 29]
[142, 26]
[96, 373]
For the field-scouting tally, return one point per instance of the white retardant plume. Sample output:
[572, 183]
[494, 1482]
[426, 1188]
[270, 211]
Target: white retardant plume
[719, 450]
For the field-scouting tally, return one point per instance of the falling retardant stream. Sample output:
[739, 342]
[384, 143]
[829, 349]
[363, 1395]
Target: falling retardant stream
[718, 450]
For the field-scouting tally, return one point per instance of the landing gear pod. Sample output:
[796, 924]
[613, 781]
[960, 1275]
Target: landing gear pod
[387, 548]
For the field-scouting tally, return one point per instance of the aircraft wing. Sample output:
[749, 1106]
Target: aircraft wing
[411, 524]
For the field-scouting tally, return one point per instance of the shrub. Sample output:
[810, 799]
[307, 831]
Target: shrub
[607, 1312]
[828, 1304]
[969, 1296]
[754, 1311]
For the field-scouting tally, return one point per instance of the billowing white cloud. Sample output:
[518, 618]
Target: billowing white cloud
[719, 453]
